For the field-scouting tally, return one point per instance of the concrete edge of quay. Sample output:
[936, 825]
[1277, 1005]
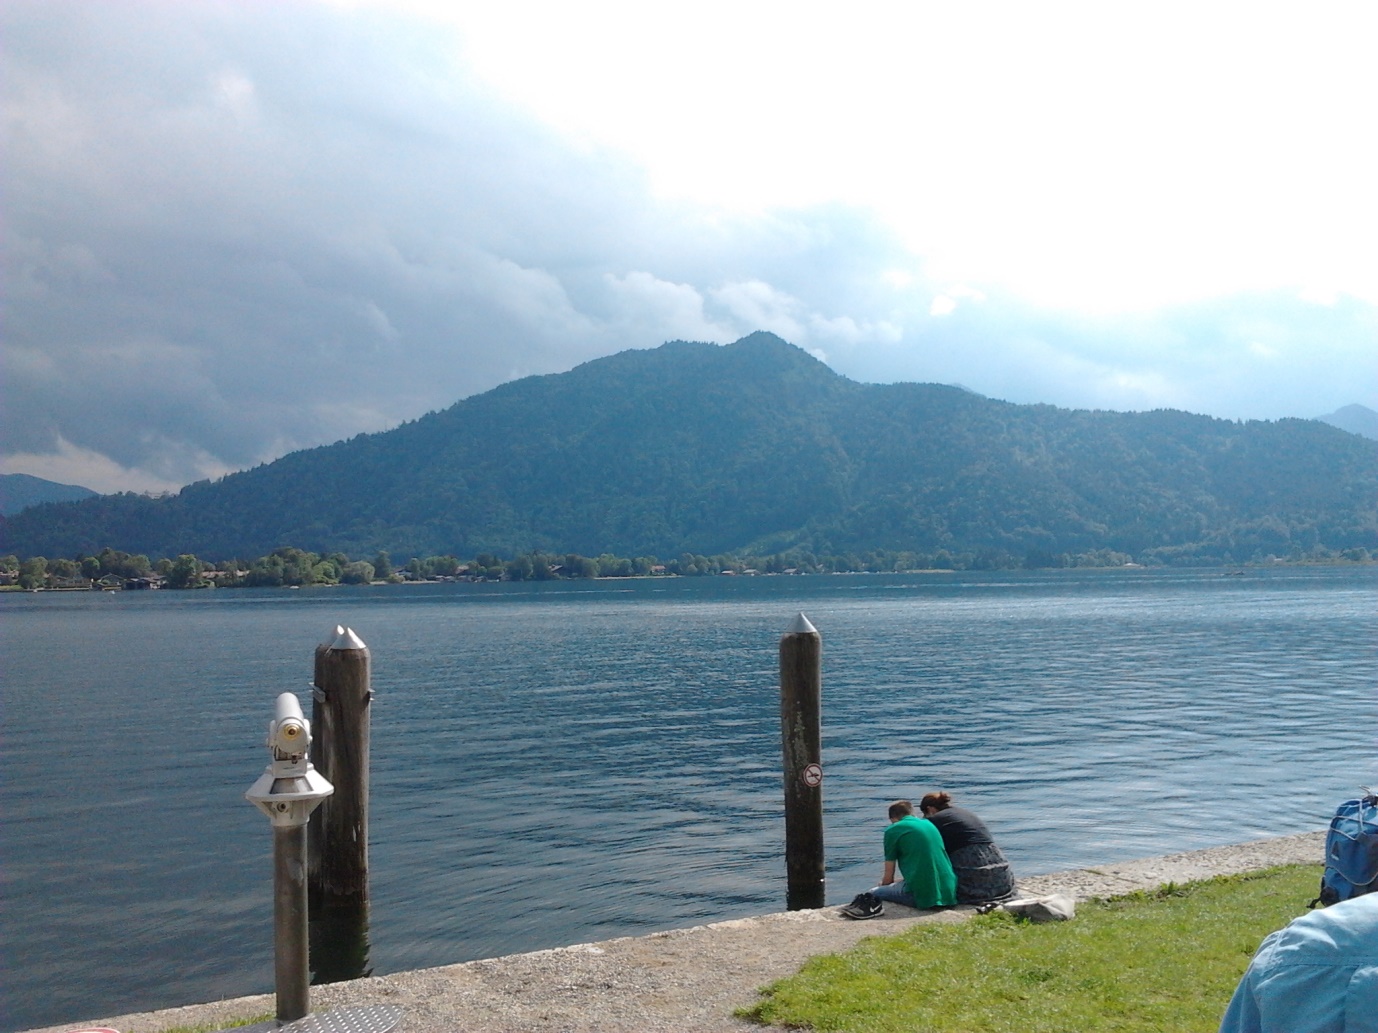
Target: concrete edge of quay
[686, 980]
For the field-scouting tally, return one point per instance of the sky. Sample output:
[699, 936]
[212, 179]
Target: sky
[232, 230]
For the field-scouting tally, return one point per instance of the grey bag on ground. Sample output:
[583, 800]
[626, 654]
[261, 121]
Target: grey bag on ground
[1055, 907]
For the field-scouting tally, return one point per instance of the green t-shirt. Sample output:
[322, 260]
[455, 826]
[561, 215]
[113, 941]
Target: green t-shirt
[917, 846]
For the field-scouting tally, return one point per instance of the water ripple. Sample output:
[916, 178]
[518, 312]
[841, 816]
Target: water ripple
[560, 763]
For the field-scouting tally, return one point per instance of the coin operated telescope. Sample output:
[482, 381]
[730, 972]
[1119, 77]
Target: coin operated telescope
[288, 791]
[290, 788]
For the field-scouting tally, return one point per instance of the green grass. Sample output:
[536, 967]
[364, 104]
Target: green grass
[1165, 960]
[211, 1027]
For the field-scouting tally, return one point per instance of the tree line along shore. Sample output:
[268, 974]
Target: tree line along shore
[112, 569]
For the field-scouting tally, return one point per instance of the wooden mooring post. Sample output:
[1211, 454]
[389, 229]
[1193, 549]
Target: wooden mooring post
[801, 736]
[337, 868]
[318, 723]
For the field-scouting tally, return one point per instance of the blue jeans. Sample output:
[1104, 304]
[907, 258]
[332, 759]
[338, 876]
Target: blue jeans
[896, 893]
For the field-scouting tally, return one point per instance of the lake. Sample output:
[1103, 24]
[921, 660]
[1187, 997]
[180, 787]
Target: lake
[562, 762]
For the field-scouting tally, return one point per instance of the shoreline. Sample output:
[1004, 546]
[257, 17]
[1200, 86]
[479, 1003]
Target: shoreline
[682, 980]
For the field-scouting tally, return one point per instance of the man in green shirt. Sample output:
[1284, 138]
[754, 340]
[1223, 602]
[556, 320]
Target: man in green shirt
[916, 846]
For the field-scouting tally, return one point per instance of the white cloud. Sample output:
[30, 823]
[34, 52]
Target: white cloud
[843, 329]
[646, 304]
[36, 267]
[1319, 295]
[68, 464]
[1075, 153]
[758, 305]
[945, 304]
[211, 209]
[1104, 383]
[378, 320]
[236, 93]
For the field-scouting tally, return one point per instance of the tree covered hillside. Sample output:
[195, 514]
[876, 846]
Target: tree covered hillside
[757, 447]
[19, 491]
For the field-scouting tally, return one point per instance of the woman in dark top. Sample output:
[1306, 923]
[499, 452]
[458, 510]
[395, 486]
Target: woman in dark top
[983, 874]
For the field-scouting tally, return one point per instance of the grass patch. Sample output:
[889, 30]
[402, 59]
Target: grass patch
[1162, 960]
[211, 1027]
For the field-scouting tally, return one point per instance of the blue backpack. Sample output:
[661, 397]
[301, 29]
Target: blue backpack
[1351, 851]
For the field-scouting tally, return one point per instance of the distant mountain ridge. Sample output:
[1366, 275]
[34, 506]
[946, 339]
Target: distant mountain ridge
[19, 491]
[1357, 419]
[758, 447]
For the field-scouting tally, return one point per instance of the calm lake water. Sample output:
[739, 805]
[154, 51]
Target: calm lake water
[567, 762]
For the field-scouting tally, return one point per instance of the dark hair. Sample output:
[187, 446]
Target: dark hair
[900, 808]
[938, 801]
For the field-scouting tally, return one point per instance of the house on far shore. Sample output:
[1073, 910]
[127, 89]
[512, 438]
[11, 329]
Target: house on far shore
[136, 583]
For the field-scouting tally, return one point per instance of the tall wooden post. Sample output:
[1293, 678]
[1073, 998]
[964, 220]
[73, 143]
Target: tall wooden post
[343, 694]
[801, 736]
[315, 832]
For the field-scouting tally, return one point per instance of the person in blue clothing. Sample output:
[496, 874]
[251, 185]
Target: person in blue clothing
[1317, 975]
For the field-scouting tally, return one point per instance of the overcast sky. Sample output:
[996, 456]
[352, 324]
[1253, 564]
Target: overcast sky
[237, 229]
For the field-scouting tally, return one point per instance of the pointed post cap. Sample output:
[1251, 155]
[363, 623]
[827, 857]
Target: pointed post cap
[801, 626]
[348, 640]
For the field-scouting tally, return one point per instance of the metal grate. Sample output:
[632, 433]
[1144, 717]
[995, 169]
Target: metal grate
[359, 1018]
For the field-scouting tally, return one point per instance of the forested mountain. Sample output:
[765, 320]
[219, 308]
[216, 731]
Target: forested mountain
[1357, 419]
[19, 491]
[757, 447]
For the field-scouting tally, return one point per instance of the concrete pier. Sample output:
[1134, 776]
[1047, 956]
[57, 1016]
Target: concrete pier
[684, 980]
